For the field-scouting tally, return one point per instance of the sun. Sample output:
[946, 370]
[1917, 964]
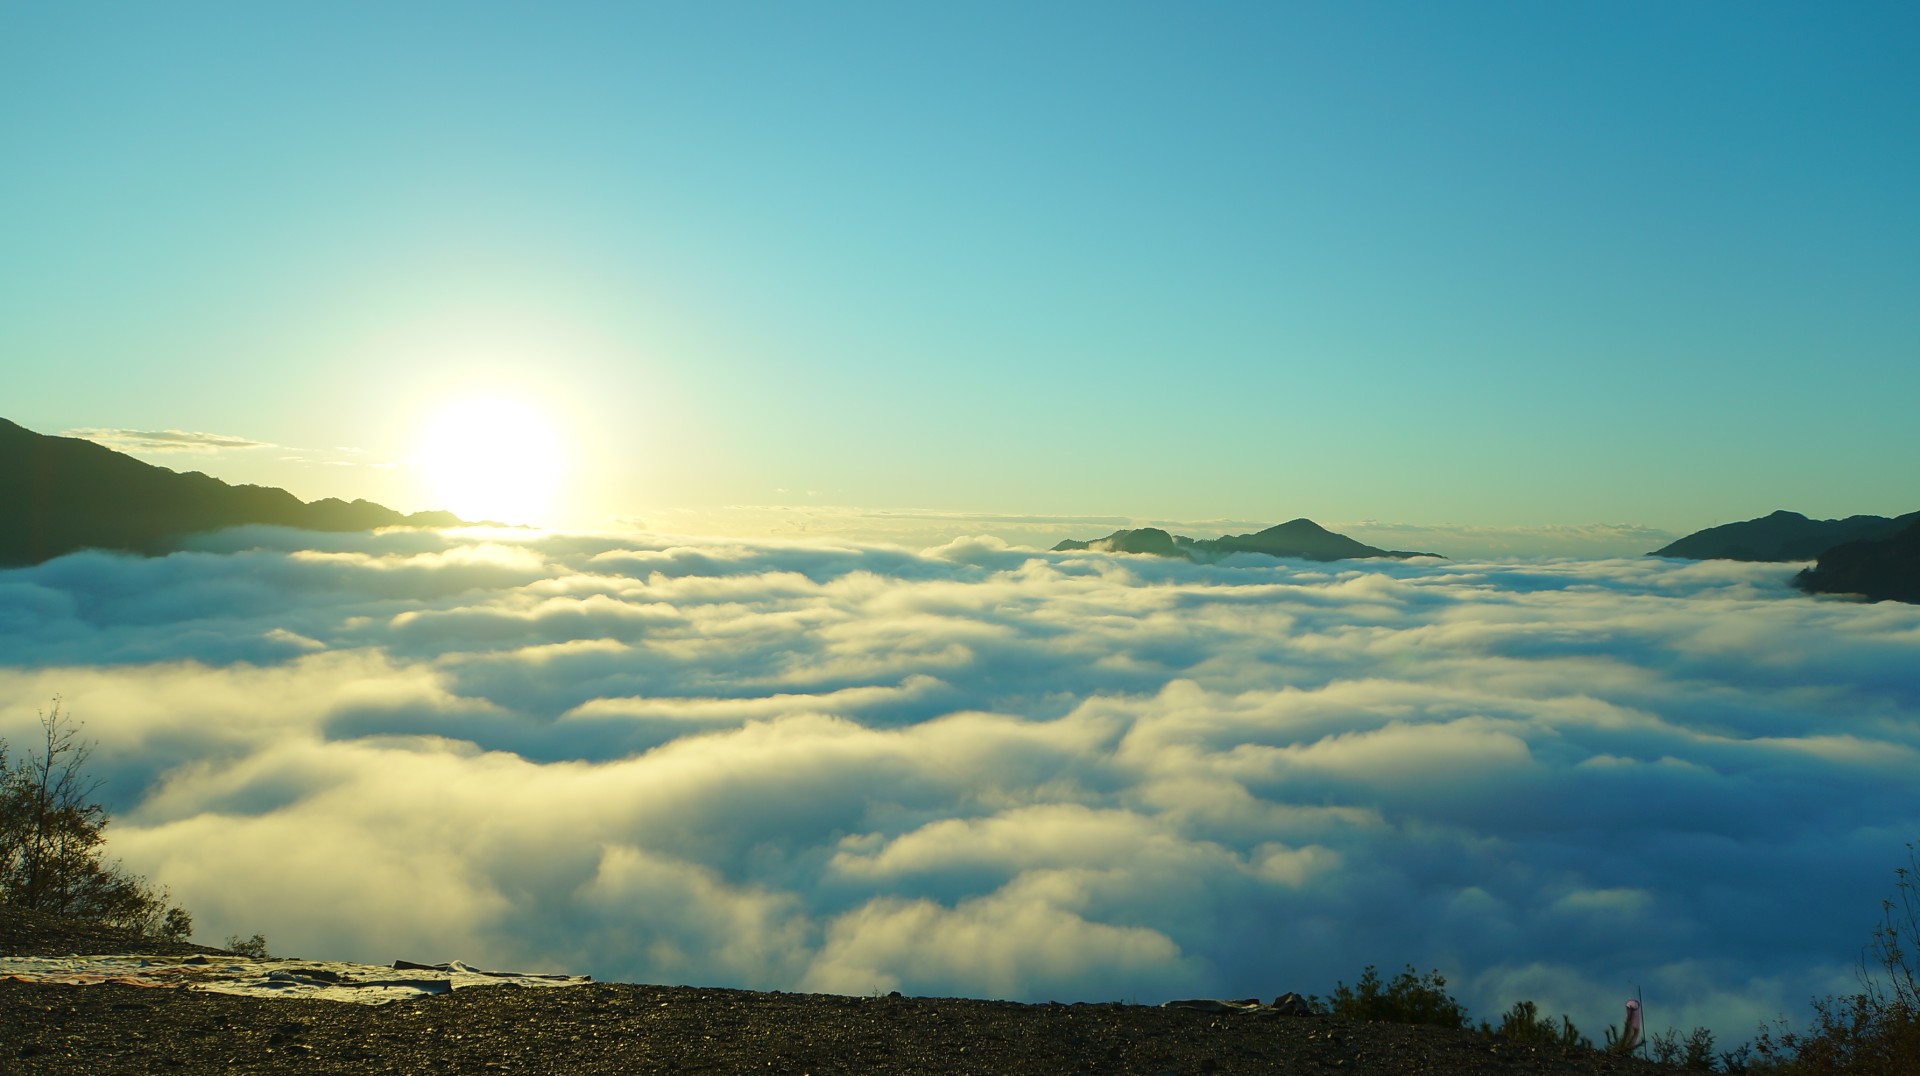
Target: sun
[491, 459]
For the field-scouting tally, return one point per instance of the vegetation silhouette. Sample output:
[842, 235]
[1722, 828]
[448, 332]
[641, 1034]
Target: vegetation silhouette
[1874, 1031]
[1410, 998]
[1523, 1023]
[51, 831]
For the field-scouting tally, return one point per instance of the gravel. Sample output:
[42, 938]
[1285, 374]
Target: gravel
[624, 1028]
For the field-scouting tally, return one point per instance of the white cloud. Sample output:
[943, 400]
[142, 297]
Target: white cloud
[686, 921]
[1026, 939]
[918, 529]
[983, 769]
[164, 441]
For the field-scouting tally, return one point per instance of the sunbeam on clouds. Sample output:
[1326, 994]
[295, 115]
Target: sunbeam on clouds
[985, 770]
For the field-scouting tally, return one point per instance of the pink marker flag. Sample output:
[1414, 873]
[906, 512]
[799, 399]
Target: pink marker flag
[1630, 1028]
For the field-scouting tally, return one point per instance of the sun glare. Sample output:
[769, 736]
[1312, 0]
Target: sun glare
[491, 459]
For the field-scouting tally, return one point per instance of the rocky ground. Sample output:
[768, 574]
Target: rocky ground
[620, 1028]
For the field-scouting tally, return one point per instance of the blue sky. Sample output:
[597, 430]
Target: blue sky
[1498, 264]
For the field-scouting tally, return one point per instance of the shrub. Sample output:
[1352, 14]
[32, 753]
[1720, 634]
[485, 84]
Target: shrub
[1523, 1023]
[1409, 999]
[50, 837]
[1693, 1053]
[1877, 1030]
[255, 947]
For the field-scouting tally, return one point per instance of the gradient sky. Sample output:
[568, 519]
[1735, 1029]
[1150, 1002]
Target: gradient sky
[1502, 264]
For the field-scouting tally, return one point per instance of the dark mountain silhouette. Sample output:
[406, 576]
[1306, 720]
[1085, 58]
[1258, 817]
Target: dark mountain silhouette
[1143, 540]
[1880, 569]
[1781, 536]
[60, 494]
[1300, 538]
[1305, 539]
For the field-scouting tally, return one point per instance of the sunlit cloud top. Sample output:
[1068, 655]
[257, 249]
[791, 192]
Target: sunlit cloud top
[979, 769]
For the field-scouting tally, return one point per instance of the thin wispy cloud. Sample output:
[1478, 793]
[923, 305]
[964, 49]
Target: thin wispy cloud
[982, 769]
[190, 442]
[165, 441]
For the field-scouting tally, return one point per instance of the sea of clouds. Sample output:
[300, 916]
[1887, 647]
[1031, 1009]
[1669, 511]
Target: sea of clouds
[986, 770]
[918, 529]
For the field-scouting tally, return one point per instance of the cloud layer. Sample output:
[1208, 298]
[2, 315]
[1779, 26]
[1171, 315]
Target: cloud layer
[163, 441]
[915, 529]
[985, 770]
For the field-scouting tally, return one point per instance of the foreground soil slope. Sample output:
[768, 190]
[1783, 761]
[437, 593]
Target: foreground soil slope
[618, 1028]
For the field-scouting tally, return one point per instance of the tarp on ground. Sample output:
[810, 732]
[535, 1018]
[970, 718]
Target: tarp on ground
[331, 980]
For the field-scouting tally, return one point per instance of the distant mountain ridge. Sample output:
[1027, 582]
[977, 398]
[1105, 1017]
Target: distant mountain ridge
[1299, 538]
[1878, 569]
[61, 494]
[1780, 536]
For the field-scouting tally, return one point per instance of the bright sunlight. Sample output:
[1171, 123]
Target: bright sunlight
[491, 459]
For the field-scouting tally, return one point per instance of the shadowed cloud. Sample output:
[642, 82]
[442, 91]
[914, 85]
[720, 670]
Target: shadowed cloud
[988, 770]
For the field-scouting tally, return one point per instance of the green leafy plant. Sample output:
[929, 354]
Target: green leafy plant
[51, 832]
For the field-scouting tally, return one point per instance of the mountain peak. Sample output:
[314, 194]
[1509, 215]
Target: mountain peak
[1886, 568]
[1297, 538]
[1780, 536]
[1303, 525]
[61, 494]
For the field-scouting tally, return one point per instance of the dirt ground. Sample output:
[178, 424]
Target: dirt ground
[623, 1028]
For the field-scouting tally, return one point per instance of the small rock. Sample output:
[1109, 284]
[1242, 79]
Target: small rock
[1293, 1004]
